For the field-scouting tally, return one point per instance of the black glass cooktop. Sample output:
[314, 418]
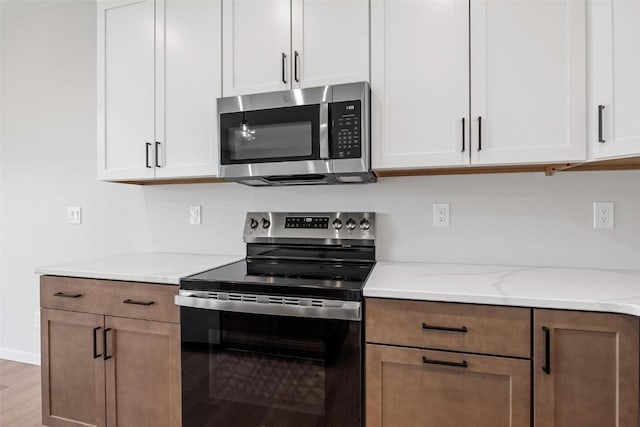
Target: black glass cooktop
[320, 279]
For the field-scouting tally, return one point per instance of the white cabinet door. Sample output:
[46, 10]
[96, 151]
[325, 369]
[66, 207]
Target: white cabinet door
[528, 81]
[125, 89]
[188, 82]
[419, 83]
[256, 46]
[615, 78]
[330, 42]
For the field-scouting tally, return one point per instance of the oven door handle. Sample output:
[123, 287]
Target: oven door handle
[348, 310]
[325, 129]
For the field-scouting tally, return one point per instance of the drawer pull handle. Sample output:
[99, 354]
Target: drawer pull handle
[547, 350]
[104, 344]
[130, 301]
[95, 344]
[462, 364]
[464, 329]
[63, 295]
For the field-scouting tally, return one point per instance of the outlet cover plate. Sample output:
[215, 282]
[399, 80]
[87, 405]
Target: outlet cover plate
[603, 215]
[441, 214]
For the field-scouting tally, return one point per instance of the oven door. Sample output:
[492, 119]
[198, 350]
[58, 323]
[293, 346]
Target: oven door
[263, 370]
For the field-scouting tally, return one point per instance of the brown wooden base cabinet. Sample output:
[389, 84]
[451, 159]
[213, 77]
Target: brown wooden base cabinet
[585, 369]
[584, 366]
[104, 370]
[429, 387]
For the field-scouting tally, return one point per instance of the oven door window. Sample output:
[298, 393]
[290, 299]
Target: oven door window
[275, 135]
[254, 370]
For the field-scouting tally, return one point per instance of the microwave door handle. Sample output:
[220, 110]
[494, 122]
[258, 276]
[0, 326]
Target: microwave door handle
[324, 131]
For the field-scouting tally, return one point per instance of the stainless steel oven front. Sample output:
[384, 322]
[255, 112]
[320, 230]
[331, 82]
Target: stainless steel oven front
[304, 136]
[283, 366]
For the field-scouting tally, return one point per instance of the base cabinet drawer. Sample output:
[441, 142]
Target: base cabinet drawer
[424, 388]
[503, 331]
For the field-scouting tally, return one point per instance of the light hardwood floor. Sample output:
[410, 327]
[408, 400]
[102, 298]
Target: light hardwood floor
[19, 395]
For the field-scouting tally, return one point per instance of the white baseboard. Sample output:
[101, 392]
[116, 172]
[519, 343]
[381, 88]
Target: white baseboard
[20, 356]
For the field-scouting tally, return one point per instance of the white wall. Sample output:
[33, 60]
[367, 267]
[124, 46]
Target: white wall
[47, 162]
[519, 219]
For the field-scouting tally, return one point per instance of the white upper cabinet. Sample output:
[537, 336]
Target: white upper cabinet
[271, 45]
[528, 81]
[159, 75]
[330, 42]
[419, 83]
[256, 49]
[125, 89]
[186, 104]
[614, 101]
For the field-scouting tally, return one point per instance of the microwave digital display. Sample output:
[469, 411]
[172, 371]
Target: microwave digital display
[346, 130]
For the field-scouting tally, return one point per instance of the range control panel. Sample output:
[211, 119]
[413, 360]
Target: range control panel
[346, 130]
[271, 226]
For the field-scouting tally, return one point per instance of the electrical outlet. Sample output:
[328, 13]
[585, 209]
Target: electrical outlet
[36, 319]
[441, 214]
[195, 215]
[603, 215]
[74, 215]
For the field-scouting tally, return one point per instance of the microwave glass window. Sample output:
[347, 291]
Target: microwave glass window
[270, 141]
[273, 135]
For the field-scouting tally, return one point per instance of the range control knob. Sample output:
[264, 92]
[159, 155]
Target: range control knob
[337, 224]
[253, 223]
[365, 224]
[266, 223]
[351, 224]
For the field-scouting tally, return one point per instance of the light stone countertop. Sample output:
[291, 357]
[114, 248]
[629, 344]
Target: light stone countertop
[615, 291]
[150, 267]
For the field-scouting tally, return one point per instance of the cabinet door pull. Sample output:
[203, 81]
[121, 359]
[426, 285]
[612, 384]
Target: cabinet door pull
[444, 328]
[462, 364]
[104, 344]
[547, 351]
[130, 301]
[146, 155]
[600, 137]
[158, 145]
[479, 133]
[284, 61]
[63, 295]
[295, 66]
[463, 135]
[95, 343]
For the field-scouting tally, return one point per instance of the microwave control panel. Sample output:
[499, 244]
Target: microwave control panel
[346, 135]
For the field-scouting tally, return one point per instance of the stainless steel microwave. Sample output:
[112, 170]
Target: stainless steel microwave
[317, 135]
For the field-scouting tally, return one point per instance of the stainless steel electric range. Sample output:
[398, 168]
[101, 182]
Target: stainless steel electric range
[276, 339]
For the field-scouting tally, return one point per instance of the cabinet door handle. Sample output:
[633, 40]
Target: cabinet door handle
[295, 66]
[63, 295]
[479, 133]
[547, 350]
[444, 328]
[284, 61]
[428, 361]
[158, 145]
[130, 301]
[104, 344]
[600, 137]
[463, 135]
[146, 155]
[95, 343]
